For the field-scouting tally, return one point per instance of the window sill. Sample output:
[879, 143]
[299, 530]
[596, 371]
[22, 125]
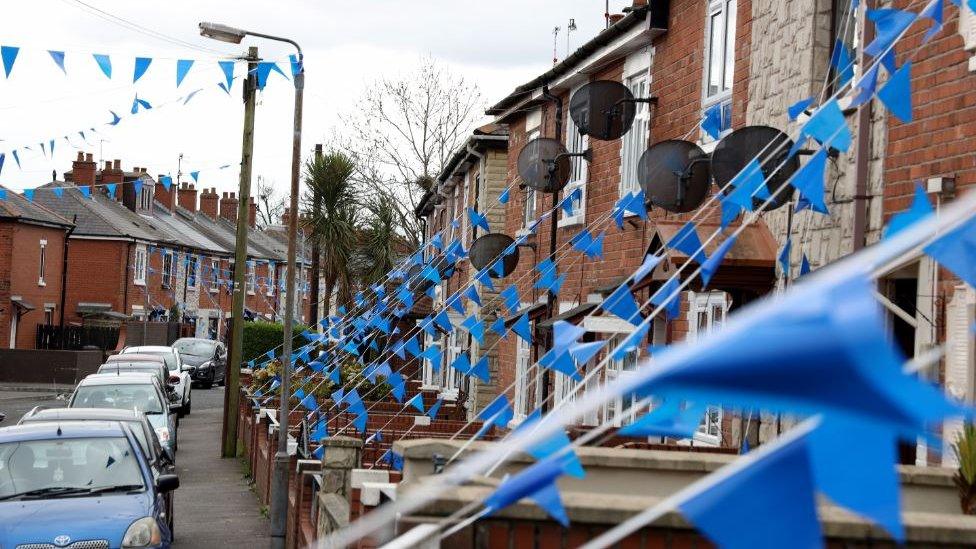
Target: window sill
[41, 282]
[571, 221]
[139, 282]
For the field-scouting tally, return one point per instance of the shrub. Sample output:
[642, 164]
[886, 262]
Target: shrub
[261, 337]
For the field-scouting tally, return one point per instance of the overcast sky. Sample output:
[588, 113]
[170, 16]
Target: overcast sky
[496, 43]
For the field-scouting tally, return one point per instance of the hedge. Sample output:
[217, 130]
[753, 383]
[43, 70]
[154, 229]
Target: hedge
[261, 337]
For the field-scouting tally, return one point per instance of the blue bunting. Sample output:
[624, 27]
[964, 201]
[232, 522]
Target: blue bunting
[443, 321]
[182, 68]
[397, 386]
[889, 24]
[632, 342]
[484, 279]
[621, 303]
[497, 413]
[668, 296]
[784, 258]
[712, 121]
[480, 370]
[417, 402]
[865, 87]
[432, 411]
[686, 240]
[141, 66]
[896, 94]
[433, 354]
[58, 57]
[498, 326]
[9, 55]
[650, 262]
[584, 352]
[748, 186]
[522, 328]
[462, 363]
[227, 67]
[804, 265]
[557, 444]
[920, 209]
[503, 198]
[798, 108]
[511, 297]
[582, 240]
[264, 69]
[956, 251]
[104, 63]
[809, 182]
[478, 220]
[475, 327]
[537, 482]
[670, 419]
[412, 346]
[471, 293]
[932, 11]
[29, 194]
[711, 265]
[774, 482]
[595, 249]
[828, 127]
[841, 61]
[115, 121]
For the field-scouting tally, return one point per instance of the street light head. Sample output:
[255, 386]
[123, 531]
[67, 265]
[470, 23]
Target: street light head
[222, 32]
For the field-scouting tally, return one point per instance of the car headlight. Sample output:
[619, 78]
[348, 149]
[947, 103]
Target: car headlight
[142, 533]
[163, 434]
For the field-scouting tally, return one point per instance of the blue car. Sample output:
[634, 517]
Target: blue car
[80, 485]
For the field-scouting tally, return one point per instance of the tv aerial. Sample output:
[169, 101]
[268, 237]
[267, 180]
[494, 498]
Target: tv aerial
[604, 109]
[767, 145]
[544, 164]
[489, 249]
[675, 175]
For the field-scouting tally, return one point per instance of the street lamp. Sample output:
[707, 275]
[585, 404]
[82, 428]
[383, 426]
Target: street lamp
[279, 484]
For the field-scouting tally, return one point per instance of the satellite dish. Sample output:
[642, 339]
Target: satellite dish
[544, 165]
[487, 248]
[674, 175]
[603, 109]
[770, 146]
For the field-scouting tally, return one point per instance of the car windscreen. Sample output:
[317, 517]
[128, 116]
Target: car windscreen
[147, 368]
[68, 467]
[195, 348]
[142, 397]
[137, 429]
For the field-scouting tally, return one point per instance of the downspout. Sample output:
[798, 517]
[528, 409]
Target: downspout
[64, 271]
[125, 278]
[863, 155]
[553, 228]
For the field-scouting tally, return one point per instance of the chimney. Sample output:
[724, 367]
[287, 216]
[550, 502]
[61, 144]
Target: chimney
[228, 207]
[113, 174]
[640, 3]
[83, 170]
[208, 202]
[286, 217]
[188, 197]
[252, 213]
[166, 197]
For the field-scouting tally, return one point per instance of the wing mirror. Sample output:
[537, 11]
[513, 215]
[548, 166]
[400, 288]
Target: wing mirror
[167, 483]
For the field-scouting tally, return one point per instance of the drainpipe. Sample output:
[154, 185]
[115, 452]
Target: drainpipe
[125, 277]
[862, 157]
[553, 227]
[64, 275]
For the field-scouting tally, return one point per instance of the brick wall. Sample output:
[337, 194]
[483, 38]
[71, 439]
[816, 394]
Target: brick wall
[97, 273]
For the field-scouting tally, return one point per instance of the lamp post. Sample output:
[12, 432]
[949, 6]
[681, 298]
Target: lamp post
[279, 484]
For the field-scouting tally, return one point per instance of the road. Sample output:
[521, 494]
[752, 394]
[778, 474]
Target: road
[215, 506]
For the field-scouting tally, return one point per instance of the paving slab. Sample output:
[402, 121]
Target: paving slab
[215, 506]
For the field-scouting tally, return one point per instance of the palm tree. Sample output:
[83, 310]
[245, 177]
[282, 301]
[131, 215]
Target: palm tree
[334, 222]
[380, 238]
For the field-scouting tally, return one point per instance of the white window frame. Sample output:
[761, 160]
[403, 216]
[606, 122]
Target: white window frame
[637, 78]
[455, 344]
[214, 275]
[48, 315]
[719, 8]
[621, 411]
[707, 311]
[429, 379]
[251, 277]
[271, 279]
[167, 272]
[531, 205]
[193, 271]
[42, 263]
[522, 406]
[140, 260]
[575, 143]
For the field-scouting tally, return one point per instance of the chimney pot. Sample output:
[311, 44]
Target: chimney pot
[81, 157]
[89, 157]
[108, 165]
[116, 164]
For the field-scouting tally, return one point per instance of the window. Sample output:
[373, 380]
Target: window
[168, 269]
[466, 228]
[523, 361]
[431, 379]
[251, 281]
[634, 143]
[621, 410]
[214, 275]
[271, 278]
[139, 267]
[42, 263]
[846, 30]
[193, 266]
[531, 197]
[49, 316]
[575, 143]
[707, 312]
[453, 379]
[720, 60]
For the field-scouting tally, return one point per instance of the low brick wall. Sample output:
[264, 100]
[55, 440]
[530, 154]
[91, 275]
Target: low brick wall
[45, 367]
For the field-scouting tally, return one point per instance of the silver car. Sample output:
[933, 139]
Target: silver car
[177, 368]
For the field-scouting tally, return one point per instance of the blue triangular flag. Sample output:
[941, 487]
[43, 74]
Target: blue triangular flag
[784, 257]
[432, 411]
[796, 109]
[522, 328]
[584, 352]
[104, 63]
[686, 240]
[710, 266]
[843, 63]
[182, 68]
[110, 187]
[29, 194]
[896, 94]
[58, 57]
[196, 176]
[503, 198]
[888, 26]
[667, 296]
[228, 69]
[932, 11]
[9, 55]
[417, 401]
[115, 119]
[712, 121]
[809, 182]
[650, 262]
[775, 482]
[621, 303]
[749, 187]
[480, 370]
[670, 419]
[920, 209]
[498, 326]
[956, 251]
[804, 265]
[141, 66]
[537, 482]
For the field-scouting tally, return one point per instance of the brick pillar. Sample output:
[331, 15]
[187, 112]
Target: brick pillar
[83, 169]
[166, 197]
[252, 213]
[208, 202]
[188, 197]
[112, 173]
[341, 456]
[228, 207]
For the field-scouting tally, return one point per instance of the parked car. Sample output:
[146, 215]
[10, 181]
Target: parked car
[161, 460]
[87, 482]
[176, 368]
[132, 391]
[208, 357]
[117, 364]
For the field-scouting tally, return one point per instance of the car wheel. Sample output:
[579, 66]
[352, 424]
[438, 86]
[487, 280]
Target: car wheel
[206, 384]
[186, 408]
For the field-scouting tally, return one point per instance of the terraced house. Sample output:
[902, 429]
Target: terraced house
[722, 75]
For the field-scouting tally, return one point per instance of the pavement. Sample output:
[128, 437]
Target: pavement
[215, 506]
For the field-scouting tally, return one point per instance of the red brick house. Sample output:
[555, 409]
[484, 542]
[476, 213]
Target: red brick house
[32, 246]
